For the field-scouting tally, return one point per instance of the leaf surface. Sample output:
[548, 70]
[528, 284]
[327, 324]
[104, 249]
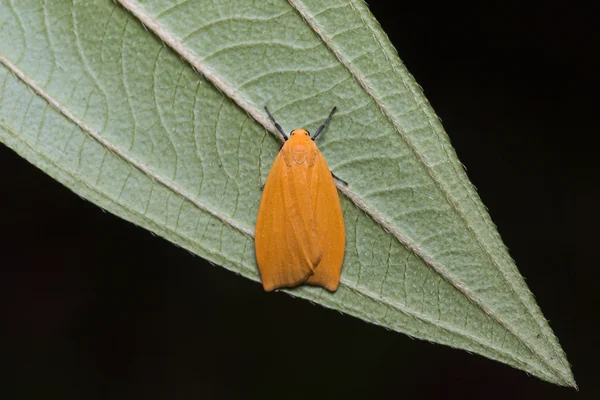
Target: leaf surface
[153, 110]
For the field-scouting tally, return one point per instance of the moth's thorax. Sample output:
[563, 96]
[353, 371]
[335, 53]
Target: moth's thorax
[299, 148]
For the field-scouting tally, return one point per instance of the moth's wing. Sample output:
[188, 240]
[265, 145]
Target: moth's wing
[286, 242]
[330, 227]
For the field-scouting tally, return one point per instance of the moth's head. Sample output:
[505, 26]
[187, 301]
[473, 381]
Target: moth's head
[299, 132]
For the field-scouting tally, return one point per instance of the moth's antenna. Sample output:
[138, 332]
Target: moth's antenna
[318, 132]
[285, 137]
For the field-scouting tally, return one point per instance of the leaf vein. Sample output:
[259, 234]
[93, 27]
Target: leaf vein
[116, 150]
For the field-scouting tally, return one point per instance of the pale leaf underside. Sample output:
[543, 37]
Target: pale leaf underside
[153, 111]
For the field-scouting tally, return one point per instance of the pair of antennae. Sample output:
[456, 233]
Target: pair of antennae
[317, 133]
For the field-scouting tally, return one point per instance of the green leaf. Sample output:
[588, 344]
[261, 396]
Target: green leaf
[153, 110]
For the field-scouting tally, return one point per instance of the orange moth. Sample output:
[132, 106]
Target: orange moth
[300, 234]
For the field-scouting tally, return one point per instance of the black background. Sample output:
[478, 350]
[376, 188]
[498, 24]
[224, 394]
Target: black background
[95, 307]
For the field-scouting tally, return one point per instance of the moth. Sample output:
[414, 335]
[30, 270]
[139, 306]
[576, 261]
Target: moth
[300, 235]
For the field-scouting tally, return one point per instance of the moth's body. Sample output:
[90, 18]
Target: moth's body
[300, 234]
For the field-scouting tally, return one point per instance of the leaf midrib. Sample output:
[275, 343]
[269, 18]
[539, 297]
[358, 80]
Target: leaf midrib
[121, 154]
[39, 91]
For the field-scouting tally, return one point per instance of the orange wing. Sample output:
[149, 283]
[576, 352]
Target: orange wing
[300, 229]
[287, 246]
[330, 227]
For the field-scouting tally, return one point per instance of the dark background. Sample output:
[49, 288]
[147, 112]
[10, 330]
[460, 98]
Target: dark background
[95, 307]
